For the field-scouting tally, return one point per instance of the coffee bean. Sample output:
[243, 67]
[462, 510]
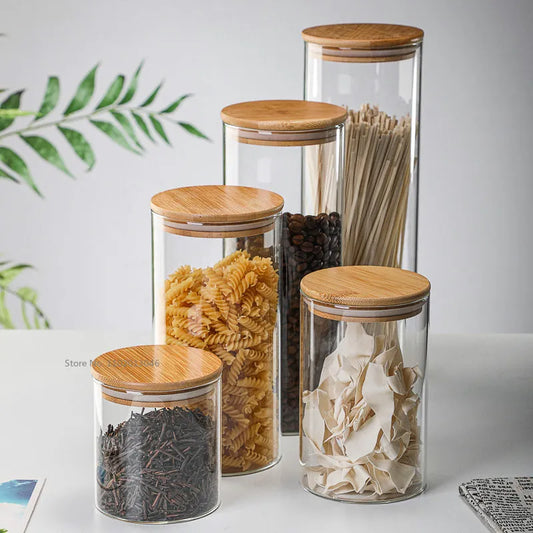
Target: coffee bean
[308, 243]
[296, 227]
[307, 247]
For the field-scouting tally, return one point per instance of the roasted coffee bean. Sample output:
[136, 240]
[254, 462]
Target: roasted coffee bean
[308, 243]
[307, 247]
[296, 227]
[297, 239]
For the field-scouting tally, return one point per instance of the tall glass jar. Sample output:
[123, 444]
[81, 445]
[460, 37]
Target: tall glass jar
[157, 433]
[374, 70]
[294, 148]
[215, 287]
[363, 390]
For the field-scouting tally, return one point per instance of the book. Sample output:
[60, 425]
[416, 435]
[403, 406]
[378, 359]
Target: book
[18, 498]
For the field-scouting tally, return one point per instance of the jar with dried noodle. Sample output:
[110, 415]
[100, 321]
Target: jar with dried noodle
[215, 287]
[294, 148]
[363, 427]
[374, 70]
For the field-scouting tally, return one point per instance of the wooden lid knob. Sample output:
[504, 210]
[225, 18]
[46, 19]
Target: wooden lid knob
[216, 204]
[283, 115]
[156, 368]
[365, 286]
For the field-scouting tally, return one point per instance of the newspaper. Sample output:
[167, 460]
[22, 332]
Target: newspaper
[504, 504]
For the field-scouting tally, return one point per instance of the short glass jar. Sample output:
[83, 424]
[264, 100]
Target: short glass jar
[294, 148]
[363, 386]
[157, 429]
[374, 70]
[215, 287]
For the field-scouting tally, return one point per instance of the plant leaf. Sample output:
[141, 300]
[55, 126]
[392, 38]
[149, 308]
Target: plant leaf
[8, 176]
[128, 128]
[14, 113]
[47, 151]
[5, 317]
[151, 98]
[80, 146]
[130, 92]
[174, 105]
[28, 295]
[83, 93]
[192, 130]
[11, 102]
[113, 133]
[112, 94]
[51, 96]
[17, 164]
[159, 128]
[142, 124]
[9, 274]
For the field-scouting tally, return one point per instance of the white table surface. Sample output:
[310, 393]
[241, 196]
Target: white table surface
[480, 424]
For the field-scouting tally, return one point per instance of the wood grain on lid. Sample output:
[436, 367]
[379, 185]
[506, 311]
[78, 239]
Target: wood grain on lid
[283, 115]
[216, 204]
[364, 36]
[158, 368]
[365, 286]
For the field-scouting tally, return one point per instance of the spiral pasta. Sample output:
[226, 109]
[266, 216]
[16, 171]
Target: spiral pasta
[230, 309]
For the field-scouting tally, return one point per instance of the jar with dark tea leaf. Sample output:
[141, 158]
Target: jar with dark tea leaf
[294, 148]
[157, 433]
[215, 287]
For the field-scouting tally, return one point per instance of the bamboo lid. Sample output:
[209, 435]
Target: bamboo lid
[283, 115]
[157, 368]
[365, 286]
[364, 36]
[216, 204]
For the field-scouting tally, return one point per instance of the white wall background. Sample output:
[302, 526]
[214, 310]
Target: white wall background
[90, 238]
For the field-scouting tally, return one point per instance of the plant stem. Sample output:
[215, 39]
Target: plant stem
[75, 118]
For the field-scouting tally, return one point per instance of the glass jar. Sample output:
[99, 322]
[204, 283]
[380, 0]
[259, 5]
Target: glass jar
[374, 70]
[294, 148]
[363, 389]
[215, 287]
[157, 433]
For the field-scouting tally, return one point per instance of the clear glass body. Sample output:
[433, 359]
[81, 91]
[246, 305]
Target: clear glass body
[381, 90]
[216, 288]
[363, 403]
[157, 456]
[306, 168]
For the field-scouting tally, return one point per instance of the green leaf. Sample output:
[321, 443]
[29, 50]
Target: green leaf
[128, 128]
[9, 274]
[159, 128]
[113, 133]
[151, 98]
[83, 93]
[5, 317]
[11, 102]
[192, 130]
[17, 164]
[174, 105]
[130, 92]
[14, 113]
[51, 96]
[142, 124]
[80, 146]
[8, 176]
[47, 151]
[28, 295]
[112, 93]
